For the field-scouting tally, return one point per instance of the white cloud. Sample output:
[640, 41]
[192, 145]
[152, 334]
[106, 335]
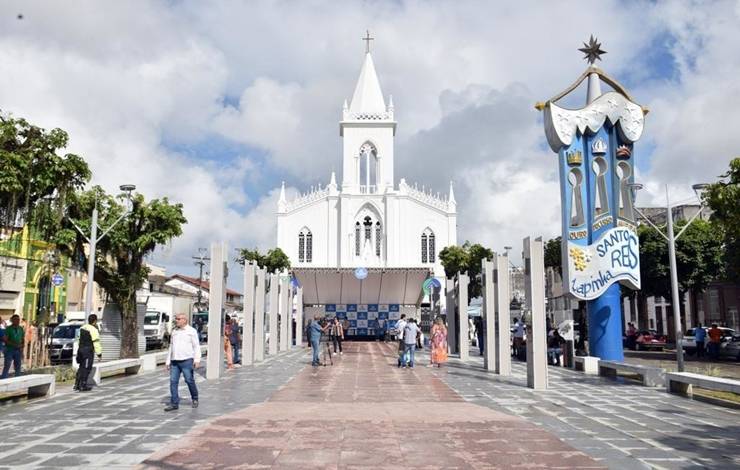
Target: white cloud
[134, 83]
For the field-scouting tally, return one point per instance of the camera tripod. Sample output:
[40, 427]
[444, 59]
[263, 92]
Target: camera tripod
[326, 352]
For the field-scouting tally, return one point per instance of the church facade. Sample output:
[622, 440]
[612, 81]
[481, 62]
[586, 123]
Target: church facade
[368, 219]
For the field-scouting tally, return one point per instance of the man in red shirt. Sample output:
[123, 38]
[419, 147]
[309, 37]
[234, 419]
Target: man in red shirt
[715, 338]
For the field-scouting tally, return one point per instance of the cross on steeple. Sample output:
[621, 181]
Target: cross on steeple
[367, 40]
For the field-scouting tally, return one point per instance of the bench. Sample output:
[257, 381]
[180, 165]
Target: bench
[37, 385]
[586, 364]
[129, 366]
[650, 376]
[682, 382]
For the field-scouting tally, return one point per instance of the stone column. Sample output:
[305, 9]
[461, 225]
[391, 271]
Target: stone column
[299, 317]
[534, 285]
[451, 314]
[249, 304]
[216, 297]
[462, 308]
[259, 317]
[503, 316]
[489, 319]
[284, 312]
[289, 294]
[272, 348]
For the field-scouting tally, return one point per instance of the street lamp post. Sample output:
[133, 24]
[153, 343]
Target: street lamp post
[93, 241]
[671, 239]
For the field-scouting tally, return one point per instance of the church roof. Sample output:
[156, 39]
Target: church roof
[368, 98]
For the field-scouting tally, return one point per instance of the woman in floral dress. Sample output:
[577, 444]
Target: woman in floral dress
[438, 338]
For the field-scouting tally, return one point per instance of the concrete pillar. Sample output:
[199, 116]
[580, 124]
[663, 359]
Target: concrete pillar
[259, 317]
[299, 317]
[272, 348]
[289, 294]
[503, 316]
[216, 297]
[451, 315]
[489, 311]
[534, 285]
[462, 304]
[248, 331]
[284, 311]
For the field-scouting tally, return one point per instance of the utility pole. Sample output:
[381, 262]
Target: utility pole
[200, 261]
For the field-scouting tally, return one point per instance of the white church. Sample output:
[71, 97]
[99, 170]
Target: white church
[393, 229]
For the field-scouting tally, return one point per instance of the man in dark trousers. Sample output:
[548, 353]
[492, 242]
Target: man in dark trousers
[88, 347]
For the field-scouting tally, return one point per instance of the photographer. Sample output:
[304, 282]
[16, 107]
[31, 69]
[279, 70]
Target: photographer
[314, 335]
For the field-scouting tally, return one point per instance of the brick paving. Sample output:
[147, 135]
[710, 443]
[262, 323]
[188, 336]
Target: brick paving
[619, 423]
[364, 412]
[122, 422]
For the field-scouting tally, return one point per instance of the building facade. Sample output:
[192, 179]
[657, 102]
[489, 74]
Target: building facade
[368, 220]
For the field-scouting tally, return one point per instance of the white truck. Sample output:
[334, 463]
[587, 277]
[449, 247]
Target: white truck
[160, 317]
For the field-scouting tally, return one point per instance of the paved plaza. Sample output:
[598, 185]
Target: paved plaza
[365, 412]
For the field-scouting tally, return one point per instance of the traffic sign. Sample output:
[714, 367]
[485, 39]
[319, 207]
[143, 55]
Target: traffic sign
[57, 279]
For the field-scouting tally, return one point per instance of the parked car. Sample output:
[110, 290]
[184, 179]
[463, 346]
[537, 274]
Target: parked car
[62, 341]
[688, 342]
[730, 348]
[157, 329]
[649, 339]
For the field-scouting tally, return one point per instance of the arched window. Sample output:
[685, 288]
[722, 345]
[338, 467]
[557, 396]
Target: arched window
[357, 239]
[368, 223]
[428, 254]
[305, 246]
[378, 238]
[368, 167]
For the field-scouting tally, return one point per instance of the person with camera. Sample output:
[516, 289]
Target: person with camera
[336, 331]
[315, 330]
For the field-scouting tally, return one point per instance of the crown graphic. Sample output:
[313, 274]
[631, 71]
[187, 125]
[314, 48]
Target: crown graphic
[624, 152]
[598, 147]
[574, 158]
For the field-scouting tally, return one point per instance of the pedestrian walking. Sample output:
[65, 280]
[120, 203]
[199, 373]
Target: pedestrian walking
[400, 325]
[518, 337]
[439, 342]
[228, 351]
[315, 331]
[14, 340]
[182, 358]
[409, 338]
[336, 331]
[700, 336]
[235, 339]
[479, 334]
[88, 346]
[2, 336]
[715, 338]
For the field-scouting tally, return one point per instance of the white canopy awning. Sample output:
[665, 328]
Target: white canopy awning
[323, 286]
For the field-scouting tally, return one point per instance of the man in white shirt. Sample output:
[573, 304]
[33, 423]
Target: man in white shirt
[410, 332]
[400, 325]
[183, 355]
[519, 332]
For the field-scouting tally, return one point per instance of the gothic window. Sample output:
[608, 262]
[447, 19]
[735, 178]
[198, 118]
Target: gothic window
[305, 246]
[378, 238]
[368, 228]
[357, 239]
[368, 170]
[309, 247]
[428, 254]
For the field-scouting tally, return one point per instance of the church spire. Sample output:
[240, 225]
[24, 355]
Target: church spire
[451, 199]
[367, 98]
[282, 202]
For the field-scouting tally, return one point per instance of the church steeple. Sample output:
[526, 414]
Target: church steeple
[368, 98]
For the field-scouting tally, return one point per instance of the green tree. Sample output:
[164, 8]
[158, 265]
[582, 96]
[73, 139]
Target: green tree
[119, 263]
[553, 254]
[274, 261]
[723, 197]
[35, 181]
[466, 258]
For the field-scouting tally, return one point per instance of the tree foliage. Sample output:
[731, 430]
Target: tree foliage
[553, 254]
[466, 258]
[274, 261]
[698, 258]
[35, 181]
[723, 197]
[119, 264]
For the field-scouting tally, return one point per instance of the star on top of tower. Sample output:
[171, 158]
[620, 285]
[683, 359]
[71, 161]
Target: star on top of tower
[592, 50]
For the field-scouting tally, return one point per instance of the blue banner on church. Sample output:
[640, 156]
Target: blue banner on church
[365, 320]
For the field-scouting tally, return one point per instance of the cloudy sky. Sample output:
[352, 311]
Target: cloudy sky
[213, 104]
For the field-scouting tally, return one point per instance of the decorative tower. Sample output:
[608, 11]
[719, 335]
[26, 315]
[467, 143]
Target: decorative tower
[595, 146]
[367, 130]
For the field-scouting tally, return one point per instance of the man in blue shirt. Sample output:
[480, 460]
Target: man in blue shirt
[700, 336]
[314, 335]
